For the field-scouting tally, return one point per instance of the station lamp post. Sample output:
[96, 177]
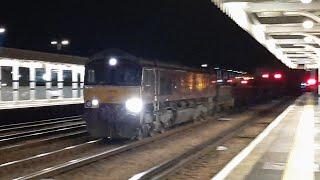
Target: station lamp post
[60, 44]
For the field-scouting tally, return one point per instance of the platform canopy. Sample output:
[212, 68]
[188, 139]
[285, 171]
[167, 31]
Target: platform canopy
[290, 29]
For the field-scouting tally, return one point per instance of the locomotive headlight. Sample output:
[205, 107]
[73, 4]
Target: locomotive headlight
[113, 61]
[134, 105]
[95, 102]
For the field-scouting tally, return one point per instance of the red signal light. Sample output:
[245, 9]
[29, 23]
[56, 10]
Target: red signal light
[311, 81]
[265, 76]
[277, 76]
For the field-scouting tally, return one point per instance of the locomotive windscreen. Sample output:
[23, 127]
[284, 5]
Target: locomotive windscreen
[124, 73]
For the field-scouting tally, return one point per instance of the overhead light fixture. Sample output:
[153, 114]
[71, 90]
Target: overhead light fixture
[2, 30]
[308, 24]
[306, 1]
[308, 39]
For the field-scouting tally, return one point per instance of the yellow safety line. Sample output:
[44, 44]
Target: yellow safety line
[300, 164]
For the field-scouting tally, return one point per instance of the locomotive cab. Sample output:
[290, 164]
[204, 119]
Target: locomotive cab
[112, 97]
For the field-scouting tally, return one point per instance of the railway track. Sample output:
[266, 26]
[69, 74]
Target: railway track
[13, 169]
[18, 142]
[204, 160]
[90, 155]
[12, 135]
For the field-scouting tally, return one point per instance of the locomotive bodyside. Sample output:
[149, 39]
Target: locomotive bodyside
[129, 98]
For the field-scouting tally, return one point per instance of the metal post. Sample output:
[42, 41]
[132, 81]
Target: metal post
[0, 78]
[74, 84]
[48, 78]
[74, 80]
[15, 82]
[318, 81]
[82, 80]
[60, 82]
[15, 77]
[32, 78]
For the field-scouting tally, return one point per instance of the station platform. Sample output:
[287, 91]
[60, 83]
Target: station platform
[39, 103]
[289, 148]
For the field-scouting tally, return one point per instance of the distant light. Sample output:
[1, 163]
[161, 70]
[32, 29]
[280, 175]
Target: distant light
[248, 78]
[277, 76]
[229, 70]
[216, 68]
[2, 30]
[204, 65]
[308, 39]
[113, 61]
[306, 1]
[229, 80]
[265, 76]
[311, 81]
[308, 24]
[219, 80]
[244, 82]
[65, 42]
[54, 42]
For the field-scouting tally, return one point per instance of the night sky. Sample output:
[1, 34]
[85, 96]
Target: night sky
[186, 31]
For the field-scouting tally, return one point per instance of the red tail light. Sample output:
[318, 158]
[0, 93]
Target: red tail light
[244, 82]
[311, 81]
[277, 76]
[265, 76]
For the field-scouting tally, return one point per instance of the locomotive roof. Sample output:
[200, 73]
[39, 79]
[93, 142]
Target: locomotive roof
[120, 54]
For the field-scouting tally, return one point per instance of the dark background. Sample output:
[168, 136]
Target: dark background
[186, 31]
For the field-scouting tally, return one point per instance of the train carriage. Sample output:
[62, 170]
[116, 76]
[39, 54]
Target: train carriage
[127, 97]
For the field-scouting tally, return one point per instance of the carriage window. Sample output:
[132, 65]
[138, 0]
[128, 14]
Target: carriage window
[99, 72]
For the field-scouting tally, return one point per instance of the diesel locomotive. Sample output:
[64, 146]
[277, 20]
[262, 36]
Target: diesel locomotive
[129, 97]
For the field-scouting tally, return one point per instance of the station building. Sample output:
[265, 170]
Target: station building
[30, 75]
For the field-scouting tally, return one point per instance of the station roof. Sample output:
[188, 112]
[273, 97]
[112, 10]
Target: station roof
[41, 56]
[290, 29]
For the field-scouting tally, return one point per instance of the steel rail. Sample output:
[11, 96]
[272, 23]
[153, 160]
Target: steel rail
[40, 121]
[38, 125]
[47, 154]
[39, 134]
[64, 167]
[48, 172]
[37, 131]
[164, 169]
[47, 140]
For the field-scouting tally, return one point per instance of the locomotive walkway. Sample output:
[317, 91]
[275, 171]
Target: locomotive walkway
[287, 149]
